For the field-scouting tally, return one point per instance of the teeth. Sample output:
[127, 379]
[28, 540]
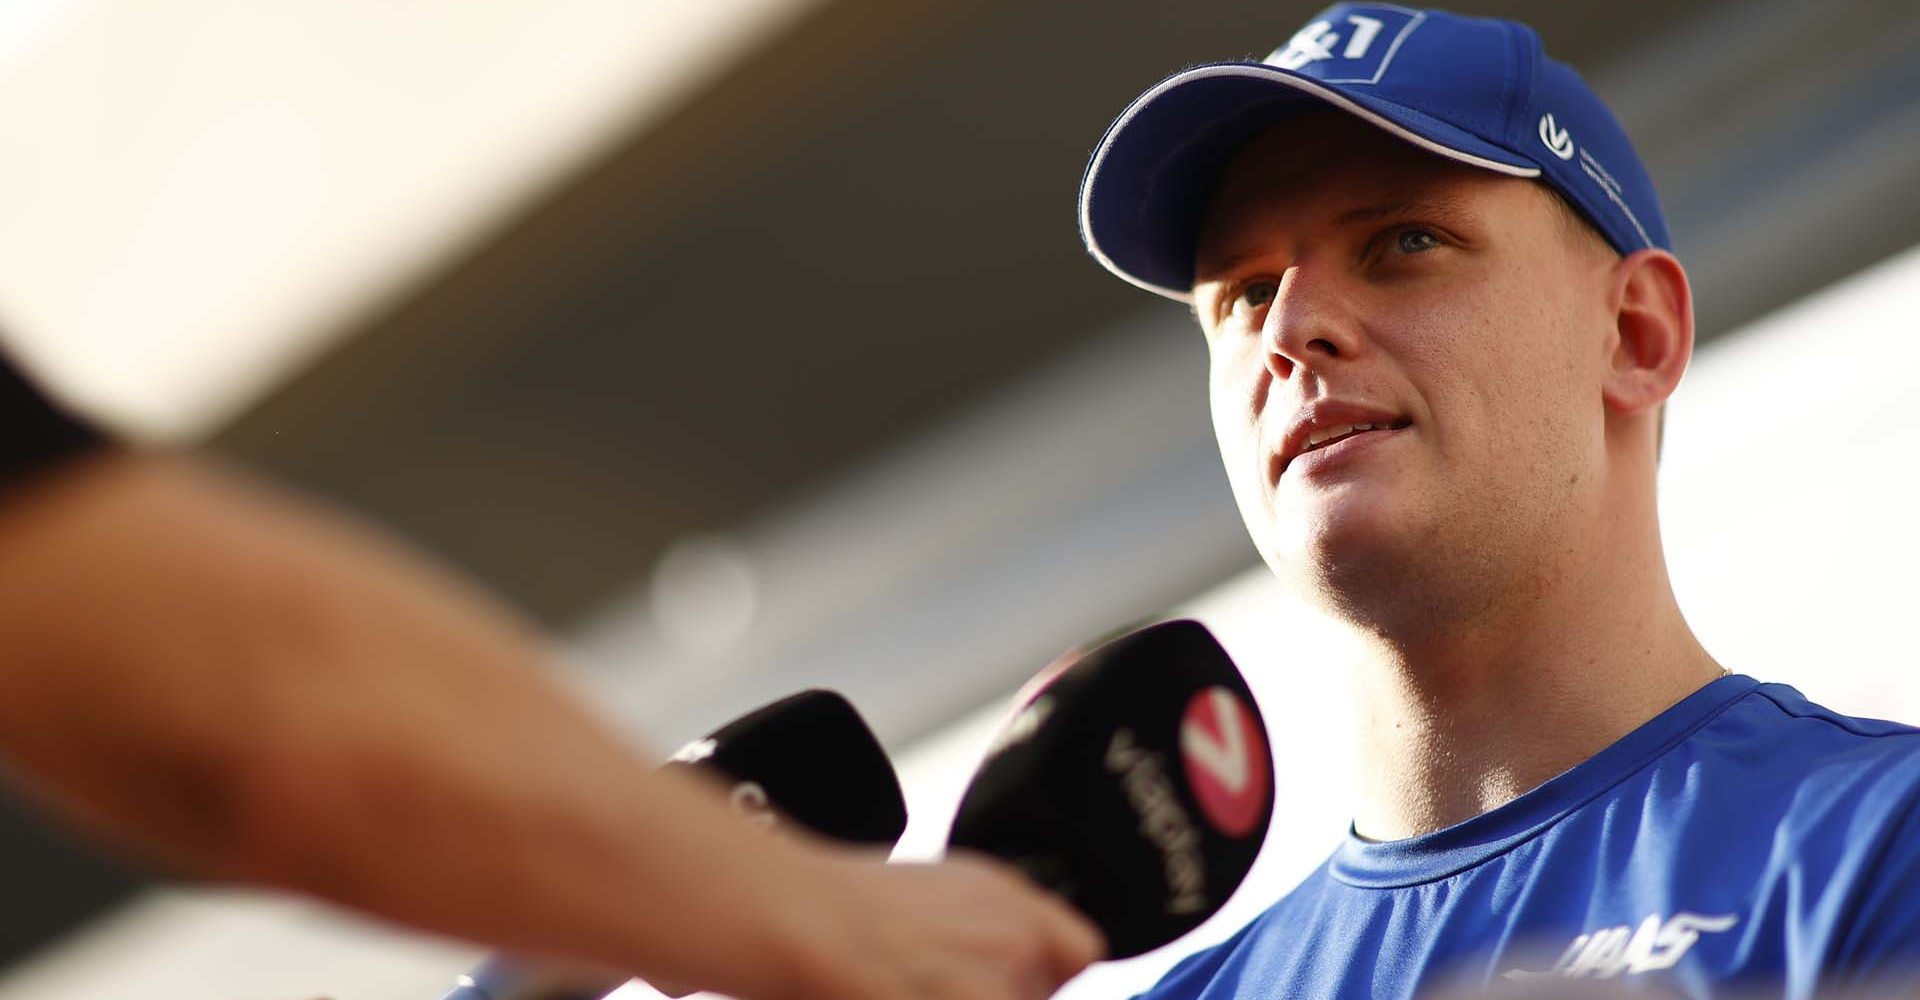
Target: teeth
[1316, 438]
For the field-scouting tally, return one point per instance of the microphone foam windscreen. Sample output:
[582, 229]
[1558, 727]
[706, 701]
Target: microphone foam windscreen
[811, 757]
[1136, 783]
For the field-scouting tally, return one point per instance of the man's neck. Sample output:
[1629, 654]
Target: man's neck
[1464, 719]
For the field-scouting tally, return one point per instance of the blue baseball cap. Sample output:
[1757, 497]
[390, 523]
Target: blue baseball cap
[1476, 90]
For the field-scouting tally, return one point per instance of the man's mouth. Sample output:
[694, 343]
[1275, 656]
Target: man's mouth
[1309, 437]
[1322, 437]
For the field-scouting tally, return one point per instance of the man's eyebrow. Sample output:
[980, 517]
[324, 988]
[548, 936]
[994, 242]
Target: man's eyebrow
[1205, 270]
[1398, 206]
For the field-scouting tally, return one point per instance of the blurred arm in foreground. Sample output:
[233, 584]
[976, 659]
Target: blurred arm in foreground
[234, 682]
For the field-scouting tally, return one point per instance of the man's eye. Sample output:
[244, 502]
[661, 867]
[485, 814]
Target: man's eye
[1415, 241]
[1253, 295]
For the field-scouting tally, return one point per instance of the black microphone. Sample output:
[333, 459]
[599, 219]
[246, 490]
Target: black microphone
[1135, 783]
[809, 759]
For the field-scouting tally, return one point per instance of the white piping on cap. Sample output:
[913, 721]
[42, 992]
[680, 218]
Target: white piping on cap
[1259, 72]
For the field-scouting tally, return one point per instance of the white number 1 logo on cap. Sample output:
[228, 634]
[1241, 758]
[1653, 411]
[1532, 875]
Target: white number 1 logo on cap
[1316, 41]
[1353, 44]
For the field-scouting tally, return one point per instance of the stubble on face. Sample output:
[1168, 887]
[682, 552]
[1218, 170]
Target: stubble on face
[1443, 293]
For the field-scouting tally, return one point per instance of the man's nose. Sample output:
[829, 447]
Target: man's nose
[1308, 324]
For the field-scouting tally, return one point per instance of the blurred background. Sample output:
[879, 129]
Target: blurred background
[749, 345]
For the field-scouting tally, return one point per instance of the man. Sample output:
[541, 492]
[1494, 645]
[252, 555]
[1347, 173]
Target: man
[1443, 315]
[241, 686]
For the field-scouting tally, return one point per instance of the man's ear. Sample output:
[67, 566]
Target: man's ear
[1653, 315]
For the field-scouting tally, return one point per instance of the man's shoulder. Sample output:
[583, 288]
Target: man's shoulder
[1804, 735]
[1851, 840]
[1840, 771]
[1791, 704]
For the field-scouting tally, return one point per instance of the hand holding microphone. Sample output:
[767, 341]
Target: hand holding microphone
[1135, 786]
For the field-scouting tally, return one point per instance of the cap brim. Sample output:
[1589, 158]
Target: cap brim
[1147, 184]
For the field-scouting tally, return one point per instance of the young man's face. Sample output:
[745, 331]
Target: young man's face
[1348, 278]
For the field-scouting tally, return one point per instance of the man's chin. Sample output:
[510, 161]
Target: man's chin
[1344, 560]
[1344, 530]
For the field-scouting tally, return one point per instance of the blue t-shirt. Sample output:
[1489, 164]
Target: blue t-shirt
[1743, 839]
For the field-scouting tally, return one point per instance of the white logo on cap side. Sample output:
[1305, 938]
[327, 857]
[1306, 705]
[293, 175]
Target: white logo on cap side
[1600, 176]
[1556, 139]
